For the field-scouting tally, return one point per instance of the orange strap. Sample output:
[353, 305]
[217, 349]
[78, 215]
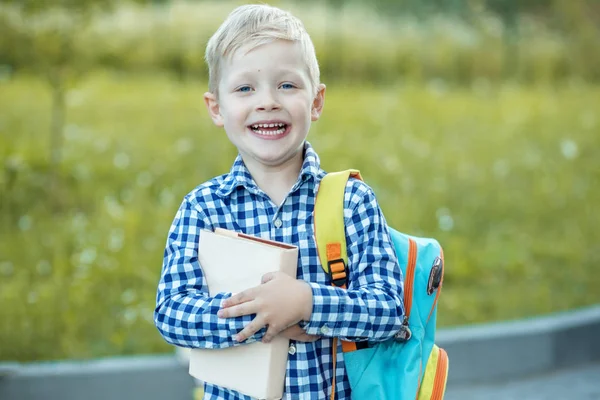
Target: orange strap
[337, 271]
[333, 356]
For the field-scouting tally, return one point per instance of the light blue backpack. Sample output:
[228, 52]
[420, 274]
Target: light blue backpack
[409, 366]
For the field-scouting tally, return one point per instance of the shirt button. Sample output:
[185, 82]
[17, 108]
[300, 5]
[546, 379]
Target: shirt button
[278, 223]
[292, 349]
[325, 330]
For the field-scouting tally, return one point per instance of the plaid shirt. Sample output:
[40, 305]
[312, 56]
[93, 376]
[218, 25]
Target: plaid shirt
[371, 308]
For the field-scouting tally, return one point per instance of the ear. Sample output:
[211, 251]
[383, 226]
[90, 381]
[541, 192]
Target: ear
[212, 105]
[318, 103]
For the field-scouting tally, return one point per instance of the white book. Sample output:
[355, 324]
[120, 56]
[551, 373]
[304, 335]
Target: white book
[233, 262]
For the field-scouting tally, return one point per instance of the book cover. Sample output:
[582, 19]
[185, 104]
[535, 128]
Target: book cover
[233, 262]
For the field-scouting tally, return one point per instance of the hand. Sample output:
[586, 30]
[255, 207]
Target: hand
[279, 302]
[298, 334]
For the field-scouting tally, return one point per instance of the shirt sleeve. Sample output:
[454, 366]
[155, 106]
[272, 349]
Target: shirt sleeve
[185, 314]
[372, 307]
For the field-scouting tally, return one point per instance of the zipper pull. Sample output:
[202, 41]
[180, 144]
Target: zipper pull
[435, 276]
[404, 334]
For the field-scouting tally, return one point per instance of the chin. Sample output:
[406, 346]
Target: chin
[275, 159]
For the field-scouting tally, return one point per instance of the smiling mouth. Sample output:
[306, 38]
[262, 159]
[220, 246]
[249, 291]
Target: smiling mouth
[274, 129]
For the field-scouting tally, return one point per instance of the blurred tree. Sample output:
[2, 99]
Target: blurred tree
[509, 10]
[42, 34]
[579, 19]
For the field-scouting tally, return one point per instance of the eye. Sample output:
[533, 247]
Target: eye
[287, 86]
[244, 89]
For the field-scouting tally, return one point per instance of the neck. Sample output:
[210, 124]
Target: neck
[276, 181]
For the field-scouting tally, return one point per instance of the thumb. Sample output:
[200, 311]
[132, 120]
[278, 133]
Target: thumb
[269, 276]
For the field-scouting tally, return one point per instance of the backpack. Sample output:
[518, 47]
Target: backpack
[409, 366]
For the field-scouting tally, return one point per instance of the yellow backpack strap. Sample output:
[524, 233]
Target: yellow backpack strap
[330, 232]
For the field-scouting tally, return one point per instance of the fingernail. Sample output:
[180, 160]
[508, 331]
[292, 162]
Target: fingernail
[220, 314]
[236, 338]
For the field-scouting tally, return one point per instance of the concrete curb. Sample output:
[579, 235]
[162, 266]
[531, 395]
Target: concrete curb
[137, 377]
[479, 353]
[512, 350]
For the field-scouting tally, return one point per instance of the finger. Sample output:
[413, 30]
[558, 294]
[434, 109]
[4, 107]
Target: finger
[293, 331]
[288, 333]
[272, 331]
[269, 276]
[254, 326]
[239, 298]
[237, 310]
[308, 338]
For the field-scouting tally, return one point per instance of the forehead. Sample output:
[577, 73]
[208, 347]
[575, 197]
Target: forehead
[279, 56]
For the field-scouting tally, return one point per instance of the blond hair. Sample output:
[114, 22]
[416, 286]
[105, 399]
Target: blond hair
[253, 25]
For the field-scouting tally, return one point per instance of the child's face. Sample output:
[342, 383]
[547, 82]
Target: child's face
[266, 103]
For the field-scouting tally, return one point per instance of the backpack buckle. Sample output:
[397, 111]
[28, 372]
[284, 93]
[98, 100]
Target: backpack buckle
[337, 272]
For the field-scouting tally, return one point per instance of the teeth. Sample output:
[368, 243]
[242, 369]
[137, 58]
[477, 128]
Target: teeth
[270, 133]
[257, 126]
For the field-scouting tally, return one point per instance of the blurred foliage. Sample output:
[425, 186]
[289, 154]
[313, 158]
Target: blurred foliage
[458, 40]
[503, 176]
[43, 35]
[480, 119]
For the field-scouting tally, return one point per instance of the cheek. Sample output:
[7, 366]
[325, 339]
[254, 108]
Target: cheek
[234, 113]
[301, 107]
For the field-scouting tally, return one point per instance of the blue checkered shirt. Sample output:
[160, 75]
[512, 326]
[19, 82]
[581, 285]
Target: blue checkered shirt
[371, 308]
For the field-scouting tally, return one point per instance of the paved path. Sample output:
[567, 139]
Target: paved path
[581, 383]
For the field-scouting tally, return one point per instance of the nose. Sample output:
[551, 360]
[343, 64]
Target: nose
[268, 102]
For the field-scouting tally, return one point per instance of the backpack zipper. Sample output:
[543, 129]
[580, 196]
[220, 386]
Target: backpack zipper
[439, 382]
[405, 333]
[410, 277]
[440, 377]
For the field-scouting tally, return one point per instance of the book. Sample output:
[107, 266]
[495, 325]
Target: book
[233, 262]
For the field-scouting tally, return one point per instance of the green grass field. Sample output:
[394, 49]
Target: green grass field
[506, 177]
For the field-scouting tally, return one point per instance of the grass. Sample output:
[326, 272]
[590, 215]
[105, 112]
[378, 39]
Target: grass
[504, 176]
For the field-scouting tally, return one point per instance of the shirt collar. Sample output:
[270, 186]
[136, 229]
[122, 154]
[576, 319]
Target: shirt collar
[239, 176]
[311, 166]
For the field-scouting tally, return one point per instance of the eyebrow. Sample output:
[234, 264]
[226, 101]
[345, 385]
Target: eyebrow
[242, 76]
[288, 72]
[249, 75]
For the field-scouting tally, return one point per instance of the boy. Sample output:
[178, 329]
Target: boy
[264, 90]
